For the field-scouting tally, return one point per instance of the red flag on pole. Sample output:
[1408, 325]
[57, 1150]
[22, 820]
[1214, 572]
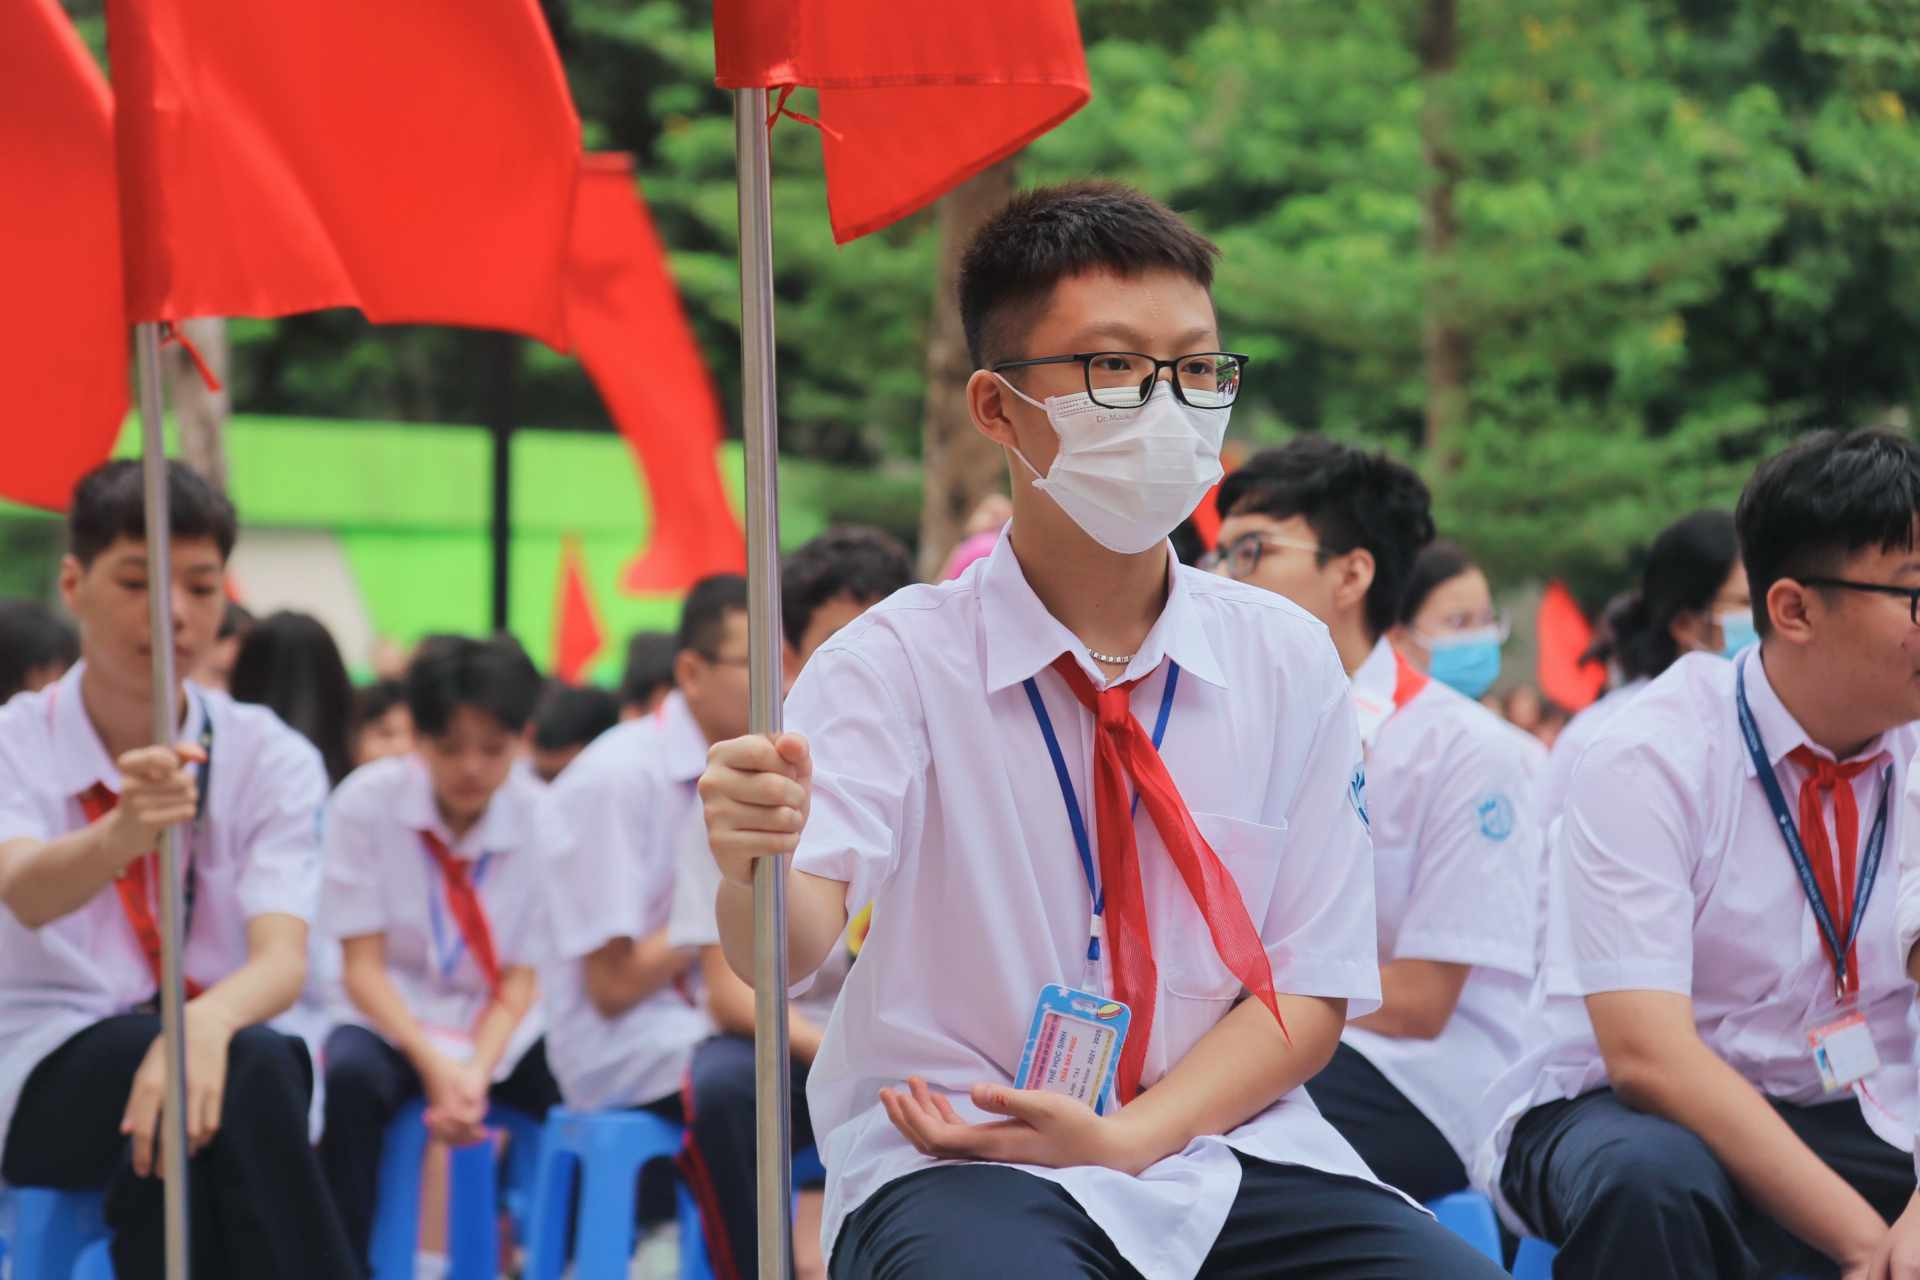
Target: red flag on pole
[577, 633]
[416, 161]
[625, 319]
[1564, 634]
[63, 332]
[915, 98]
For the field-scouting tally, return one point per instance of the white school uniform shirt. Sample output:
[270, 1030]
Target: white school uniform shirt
[936, 800]
[1581, 731]
[617, 813]
[255, 852]
[380, 878]
[1456, 864]
[694, 922]
[1669, 874]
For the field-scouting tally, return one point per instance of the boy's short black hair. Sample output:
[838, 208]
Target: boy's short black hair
[110, 503]
[573, 716]
[1043, 236]
[703, 618]
[372, 701]
[1351, 499]
[494, 676]
[853, 560]
[1820, 500]
[32, 636]
[649, 667]
[238, 620]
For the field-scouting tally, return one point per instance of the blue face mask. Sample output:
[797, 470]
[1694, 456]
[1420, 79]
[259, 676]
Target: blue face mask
[1736, 631]
[1468, 663]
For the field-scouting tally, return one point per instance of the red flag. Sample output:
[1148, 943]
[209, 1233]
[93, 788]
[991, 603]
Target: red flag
[63, 333]
[624, 316]
[577, 633]
[915, 98]
[1564, 635]
[416, 161]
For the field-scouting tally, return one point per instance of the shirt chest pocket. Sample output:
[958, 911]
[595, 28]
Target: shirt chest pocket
[1188, 959]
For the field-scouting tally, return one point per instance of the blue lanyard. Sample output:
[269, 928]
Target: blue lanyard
[435, 887]
[1797, 851]
[1075, 818]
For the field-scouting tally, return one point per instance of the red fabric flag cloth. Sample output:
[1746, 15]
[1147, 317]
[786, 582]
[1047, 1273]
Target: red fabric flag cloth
[63, 332]
[416, 161]
[914, 98]
[578, 635]
[628, 328]
[1564, 635]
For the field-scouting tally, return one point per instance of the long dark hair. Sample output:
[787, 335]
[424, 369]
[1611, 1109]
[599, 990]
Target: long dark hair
[1686, 567]
[290, 664]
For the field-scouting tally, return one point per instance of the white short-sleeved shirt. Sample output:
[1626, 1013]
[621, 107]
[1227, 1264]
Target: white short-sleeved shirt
[1669, 874]
[1580, 732]
[936, 800]
[380, 878]
[1456, 864]
[617, 813]
[254, 852]
[694, 922]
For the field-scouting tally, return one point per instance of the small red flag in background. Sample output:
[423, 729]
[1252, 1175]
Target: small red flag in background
[915, 97]
[625, 319]
[63, 332]
[1564, 634]
[577, 632]
[414, 160]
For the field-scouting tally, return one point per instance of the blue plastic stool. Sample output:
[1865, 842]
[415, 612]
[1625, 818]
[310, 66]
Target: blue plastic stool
[96, 1262]
[1534, 1261]
[1469, 1215]
[51, 1229]
[473, 1234]
[604, 1152]
[695, 1264]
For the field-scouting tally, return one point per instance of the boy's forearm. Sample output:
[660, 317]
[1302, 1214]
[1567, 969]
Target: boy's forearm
[43, 880]
[493, 1032]
[270, 980]
[816, 917]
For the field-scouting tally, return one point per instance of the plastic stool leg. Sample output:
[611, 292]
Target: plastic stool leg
[396, 1213]
[51, 1230]
[1534, 1261]
[547, 1212]
[96, 1263]
[1469, 1215]
[473, 1229]
[694, 1263]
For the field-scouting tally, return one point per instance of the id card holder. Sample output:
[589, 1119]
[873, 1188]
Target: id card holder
[1843, 1051]
[1073, 1045]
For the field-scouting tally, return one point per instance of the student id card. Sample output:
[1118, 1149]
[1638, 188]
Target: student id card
[1073, 1045]
[1843, 1051]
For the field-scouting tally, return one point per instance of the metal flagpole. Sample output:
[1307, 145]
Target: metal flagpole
[172, 1134]
[773, 1149]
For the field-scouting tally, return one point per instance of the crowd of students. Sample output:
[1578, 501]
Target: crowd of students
[1331, 939]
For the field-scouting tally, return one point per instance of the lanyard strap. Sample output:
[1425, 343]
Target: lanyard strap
[1075, 818]
[447, 955]
[1837, 947]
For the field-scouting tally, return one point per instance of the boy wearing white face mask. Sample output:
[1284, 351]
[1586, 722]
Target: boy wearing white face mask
[968, 757]
[1456, 850]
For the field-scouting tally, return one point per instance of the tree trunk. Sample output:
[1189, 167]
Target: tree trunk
[959, 466]
[1445, 346]
[200, 411]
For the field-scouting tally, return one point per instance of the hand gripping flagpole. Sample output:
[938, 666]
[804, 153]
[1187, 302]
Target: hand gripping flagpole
[772, 1145]
[172, 1134]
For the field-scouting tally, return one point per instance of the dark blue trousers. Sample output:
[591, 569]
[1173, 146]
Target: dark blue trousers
[1398, 1142]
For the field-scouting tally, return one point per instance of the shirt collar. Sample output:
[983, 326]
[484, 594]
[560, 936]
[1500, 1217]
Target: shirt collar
[503, 826]
[1379, 674]
[80, 759]
[684, 745]
[1780, 733]
[1021, 638]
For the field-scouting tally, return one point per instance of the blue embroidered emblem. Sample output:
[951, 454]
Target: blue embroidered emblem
[1357, 796]
[1495, 812]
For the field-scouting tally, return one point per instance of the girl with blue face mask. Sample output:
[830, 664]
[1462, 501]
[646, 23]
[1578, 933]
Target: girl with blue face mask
[1448, 626]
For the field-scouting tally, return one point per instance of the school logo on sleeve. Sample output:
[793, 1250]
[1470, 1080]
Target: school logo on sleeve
[1357, 796]
[1495, 813]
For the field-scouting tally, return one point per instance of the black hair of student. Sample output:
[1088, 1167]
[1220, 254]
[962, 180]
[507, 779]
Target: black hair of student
[1351, 499]
[110, 503]
[493, 676]
[573, 715]
[290, 664]
[372, 701]
[237, 620]
[32, 636]
[1821, 499]
[1686, 567]
[1043, 236]
[649, 667]
[703, 618]
[1438, 563]
[853, 560]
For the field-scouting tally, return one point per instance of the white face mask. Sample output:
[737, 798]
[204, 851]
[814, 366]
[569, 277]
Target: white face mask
[1128, 477]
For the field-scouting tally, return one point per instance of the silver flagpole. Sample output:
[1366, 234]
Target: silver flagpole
[172, 1133]
[773, 1149]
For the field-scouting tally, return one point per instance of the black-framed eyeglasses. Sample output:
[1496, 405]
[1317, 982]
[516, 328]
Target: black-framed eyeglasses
[1241, 557]
[1878, 588]
[1124, 379]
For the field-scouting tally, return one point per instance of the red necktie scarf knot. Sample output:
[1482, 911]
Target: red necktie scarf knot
[1827, 776]
[135, 886]
[463, 900]
[1124, 754]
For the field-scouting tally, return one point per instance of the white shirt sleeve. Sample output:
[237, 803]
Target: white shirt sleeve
[23, 810]
[1623, 871]
[286, 790]
[1907, 906]
[1474, 886]
[602, 860]
[354, 895]
[693, 920]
